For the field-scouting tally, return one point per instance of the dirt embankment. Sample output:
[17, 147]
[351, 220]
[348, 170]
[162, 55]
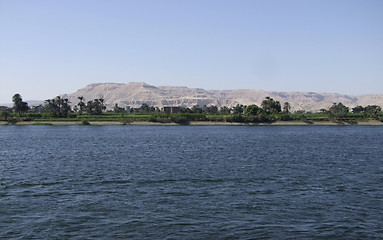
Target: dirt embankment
[279, 123]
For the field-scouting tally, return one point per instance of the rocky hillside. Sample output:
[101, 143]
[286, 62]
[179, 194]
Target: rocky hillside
[134, 94]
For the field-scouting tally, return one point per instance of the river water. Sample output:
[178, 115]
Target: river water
[191, 182]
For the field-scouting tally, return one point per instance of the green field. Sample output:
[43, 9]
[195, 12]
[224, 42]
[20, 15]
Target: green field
[185, 118]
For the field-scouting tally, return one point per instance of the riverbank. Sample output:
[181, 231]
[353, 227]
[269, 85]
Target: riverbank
[198, 123]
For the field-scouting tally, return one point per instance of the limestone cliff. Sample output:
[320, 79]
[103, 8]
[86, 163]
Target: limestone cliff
[134, 94]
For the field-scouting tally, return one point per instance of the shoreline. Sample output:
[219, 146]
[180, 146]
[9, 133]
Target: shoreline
[278, 123]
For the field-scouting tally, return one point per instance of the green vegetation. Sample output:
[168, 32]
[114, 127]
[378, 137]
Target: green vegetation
[18, 105]
[58, 109]
[84, 122]
[186, 118]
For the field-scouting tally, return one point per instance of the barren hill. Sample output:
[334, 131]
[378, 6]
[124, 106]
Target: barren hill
[134, 94]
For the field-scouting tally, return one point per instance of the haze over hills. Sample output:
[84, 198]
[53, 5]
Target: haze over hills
[134, 94]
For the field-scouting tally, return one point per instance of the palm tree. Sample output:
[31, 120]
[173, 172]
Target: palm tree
[286, 107]
[103, 107]
[81, 104]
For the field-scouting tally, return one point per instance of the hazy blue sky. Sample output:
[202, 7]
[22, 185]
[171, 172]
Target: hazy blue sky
[52, 47]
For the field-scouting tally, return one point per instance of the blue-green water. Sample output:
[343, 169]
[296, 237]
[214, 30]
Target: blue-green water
[191, 182]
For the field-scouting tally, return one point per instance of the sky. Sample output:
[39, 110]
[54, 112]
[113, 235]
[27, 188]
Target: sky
[48, 48]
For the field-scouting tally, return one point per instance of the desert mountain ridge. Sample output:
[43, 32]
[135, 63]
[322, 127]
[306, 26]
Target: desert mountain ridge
[134, 94]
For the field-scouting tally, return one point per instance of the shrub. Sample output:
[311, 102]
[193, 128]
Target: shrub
[84, 122]
[27, 119]
[236, 118]
[34, 115]
[153, 119]
[164, 120]
[286, 117]
[12, 121]
[72, 115]
[308, 122]
[181, 120]
[125, 121]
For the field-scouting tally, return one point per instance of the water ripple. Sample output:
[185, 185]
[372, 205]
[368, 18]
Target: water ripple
[132, 182]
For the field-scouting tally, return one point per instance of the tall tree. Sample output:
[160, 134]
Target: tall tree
[252, 110]
[269, 105]
[339, 110]
[210, 109]
[372, 110]
[90, 107]
[196, 109]
[58, 107]
[225, 110]
[19, 105]
[118, 109]
[146, 108]
[238, 109]
[96, 106]
[81, 104]
[286, 107]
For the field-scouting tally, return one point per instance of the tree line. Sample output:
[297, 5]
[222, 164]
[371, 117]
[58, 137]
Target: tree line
[269, 110]
[58, 106]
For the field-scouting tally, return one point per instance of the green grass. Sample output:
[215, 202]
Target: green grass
[184, 118]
